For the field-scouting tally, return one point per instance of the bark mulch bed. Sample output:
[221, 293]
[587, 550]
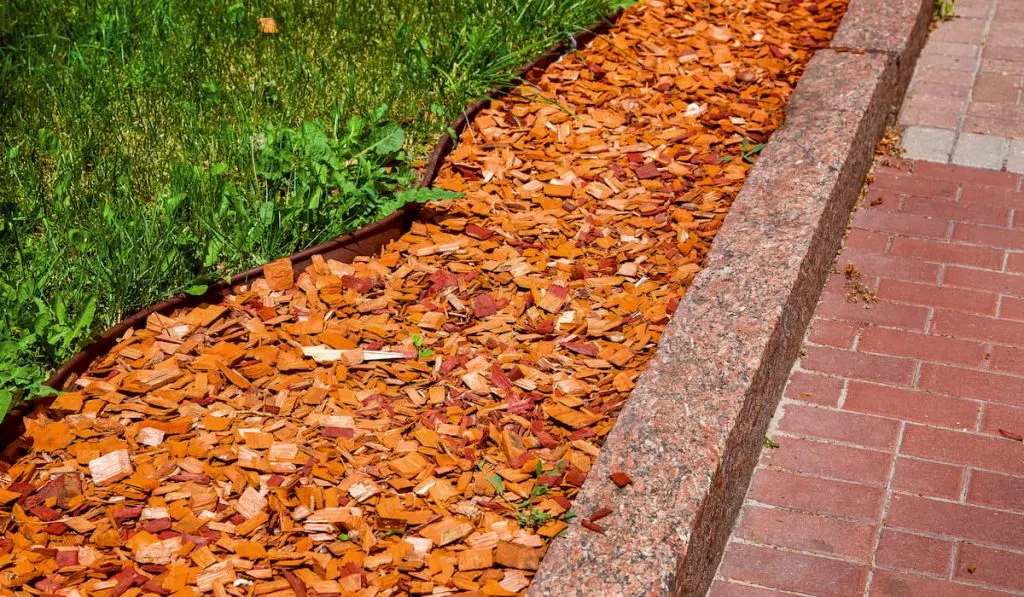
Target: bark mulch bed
[419, 422]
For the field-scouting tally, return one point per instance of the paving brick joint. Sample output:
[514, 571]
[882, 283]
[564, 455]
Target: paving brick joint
[899, 469]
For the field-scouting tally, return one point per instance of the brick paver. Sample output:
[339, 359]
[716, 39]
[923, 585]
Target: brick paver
[895, 475]
[965, 104]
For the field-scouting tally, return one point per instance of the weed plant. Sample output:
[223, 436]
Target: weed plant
[149, 147]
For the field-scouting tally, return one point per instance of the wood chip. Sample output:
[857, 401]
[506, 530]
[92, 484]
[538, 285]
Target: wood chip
[251, 503]
[514, 555]
[150, 436]
[110, 467]
[279, 274]
[159, 552]
[475, 559]
[591, 526]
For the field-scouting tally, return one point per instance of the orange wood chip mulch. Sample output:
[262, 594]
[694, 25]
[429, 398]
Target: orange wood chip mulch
[418, 423]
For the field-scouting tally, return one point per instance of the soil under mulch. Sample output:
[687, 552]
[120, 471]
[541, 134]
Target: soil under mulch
[419, 422]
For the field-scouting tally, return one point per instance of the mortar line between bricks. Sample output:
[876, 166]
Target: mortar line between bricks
[750, 502]
[822, 477]
[862, 323]
[940, 537]
[968, 266]
[810, 344]
[998, 269]
[963, 484]
[999, 300]
[987, 345]
[952, 463]
[949, 576]
[952, 242]
[843, 391]
[953, 549]
[919, 362]
[980, 584]
[957, 502]
[766, 587]
[951, 539]
[952, 365]
[882, 526]
[784, 549]
[830, 442]
[885, 508]
[982, 411]
[887, 355]
[856, 338]
[917, 572]
[1013, 374]
[980, 416]
[839, 409]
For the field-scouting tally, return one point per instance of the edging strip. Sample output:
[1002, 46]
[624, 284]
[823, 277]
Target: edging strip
[692, 430]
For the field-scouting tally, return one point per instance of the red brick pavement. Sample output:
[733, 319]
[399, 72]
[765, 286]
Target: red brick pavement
[894, 475]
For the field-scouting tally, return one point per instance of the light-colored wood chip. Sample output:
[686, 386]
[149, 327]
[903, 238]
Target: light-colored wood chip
[110, 467]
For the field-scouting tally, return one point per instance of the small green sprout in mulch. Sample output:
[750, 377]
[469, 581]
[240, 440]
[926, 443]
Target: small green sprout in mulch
[497, 483]
[532, 518]
[417, 342]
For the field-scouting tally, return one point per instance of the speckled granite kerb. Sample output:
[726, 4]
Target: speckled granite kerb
[691, 432]
[894, 27]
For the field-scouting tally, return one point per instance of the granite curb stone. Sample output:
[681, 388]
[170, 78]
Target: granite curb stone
[692, 430]
[898, 28]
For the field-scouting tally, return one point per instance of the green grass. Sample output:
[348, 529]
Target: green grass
[151, 146]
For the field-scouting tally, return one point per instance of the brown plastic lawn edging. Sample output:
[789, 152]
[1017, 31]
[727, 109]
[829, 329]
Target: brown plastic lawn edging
[365, 241]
